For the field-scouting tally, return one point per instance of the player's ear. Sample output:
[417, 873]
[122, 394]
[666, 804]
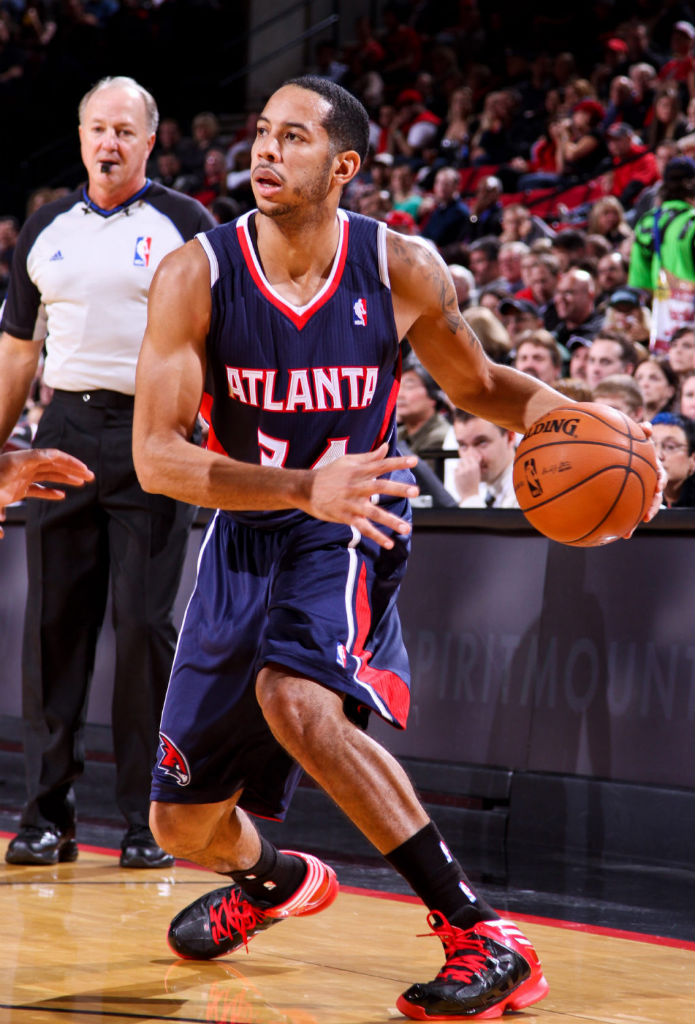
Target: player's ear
[346, 166]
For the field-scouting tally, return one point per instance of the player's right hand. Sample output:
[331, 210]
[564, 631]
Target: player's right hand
[23, 475]
[342, 491]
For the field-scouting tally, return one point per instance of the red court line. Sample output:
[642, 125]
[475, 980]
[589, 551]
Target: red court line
[551, 922]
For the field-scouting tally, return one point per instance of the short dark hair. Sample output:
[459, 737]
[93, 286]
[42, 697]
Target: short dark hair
[674, 419]
[628, 353]
[488, 244]
[347, 123]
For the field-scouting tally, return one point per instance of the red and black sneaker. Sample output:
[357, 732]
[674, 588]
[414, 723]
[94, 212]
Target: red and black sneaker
[224, 920]
[490, 969]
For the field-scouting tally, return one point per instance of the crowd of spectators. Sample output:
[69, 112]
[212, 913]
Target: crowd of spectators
[524, 153]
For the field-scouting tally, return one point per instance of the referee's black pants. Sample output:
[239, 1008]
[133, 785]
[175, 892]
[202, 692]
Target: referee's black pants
[107, 533]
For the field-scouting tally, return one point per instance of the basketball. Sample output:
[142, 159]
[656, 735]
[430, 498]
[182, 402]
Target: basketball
[585, 474]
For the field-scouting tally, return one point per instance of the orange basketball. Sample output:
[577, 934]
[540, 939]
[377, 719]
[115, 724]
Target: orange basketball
[585, 474]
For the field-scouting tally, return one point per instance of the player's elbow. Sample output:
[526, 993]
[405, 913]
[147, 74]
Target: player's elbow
[146, 465]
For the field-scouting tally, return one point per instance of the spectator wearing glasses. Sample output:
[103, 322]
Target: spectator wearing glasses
[674, 440]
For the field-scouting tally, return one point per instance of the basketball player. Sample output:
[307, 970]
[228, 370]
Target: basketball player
[286, 326]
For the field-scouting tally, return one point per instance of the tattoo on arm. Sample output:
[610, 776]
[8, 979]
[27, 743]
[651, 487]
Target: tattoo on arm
[430, 267]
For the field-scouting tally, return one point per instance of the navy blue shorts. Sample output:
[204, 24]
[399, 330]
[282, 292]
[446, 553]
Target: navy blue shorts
[315, 597]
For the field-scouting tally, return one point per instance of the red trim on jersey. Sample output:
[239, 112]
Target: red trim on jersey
[390, 687]
[212, 444]
[391, 402]
[299, 320]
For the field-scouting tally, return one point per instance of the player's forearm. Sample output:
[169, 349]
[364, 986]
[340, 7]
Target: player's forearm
[511, 399]
[192, 474]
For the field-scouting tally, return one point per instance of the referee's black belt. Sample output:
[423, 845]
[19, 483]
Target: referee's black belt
[97, 398]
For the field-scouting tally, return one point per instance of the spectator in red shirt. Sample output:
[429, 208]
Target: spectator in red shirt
[634, 167]
[681, 67]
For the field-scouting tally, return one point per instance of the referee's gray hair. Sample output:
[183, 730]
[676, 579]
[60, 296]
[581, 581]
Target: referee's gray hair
[123, 81]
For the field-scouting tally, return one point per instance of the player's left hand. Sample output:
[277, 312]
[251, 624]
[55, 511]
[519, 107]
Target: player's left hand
[21, 474]
[343, 491]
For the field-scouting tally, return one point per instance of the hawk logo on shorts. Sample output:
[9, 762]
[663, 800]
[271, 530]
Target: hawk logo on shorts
[141, 257]
[359, 308]
[172, 762]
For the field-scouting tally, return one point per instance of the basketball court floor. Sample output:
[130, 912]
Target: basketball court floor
[86, 942]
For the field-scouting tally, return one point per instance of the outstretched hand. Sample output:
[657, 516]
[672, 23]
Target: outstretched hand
[21, 474]
[342, 491]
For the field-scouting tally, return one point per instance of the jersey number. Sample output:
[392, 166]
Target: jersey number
[274, 451]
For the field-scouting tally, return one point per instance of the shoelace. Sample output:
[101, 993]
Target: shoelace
[462, 964]
[233, 916]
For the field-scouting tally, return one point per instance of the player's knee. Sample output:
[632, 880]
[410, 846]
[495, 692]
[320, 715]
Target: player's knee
[170, 826]
[277, 698]
[297, 710]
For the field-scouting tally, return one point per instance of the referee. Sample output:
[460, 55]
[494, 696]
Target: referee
[78, 290]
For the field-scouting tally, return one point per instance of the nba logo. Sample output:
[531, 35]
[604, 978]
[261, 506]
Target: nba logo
[341, 655]
[359, 308]
[141, 257]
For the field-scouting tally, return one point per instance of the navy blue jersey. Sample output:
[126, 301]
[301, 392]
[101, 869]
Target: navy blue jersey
[299, 387]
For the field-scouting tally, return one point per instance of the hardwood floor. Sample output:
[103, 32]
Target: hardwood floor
[86, 942]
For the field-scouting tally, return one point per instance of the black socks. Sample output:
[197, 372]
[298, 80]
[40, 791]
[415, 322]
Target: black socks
[273, 878]
[429, 867]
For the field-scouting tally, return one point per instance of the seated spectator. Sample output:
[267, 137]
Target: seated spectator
[634, 167]
[622, 392]
[417, 128]
[383, 131]
[484, 263]
[404, 193]
[492, 142]
[574, 302]
[579, 145]
[651, 196]
[539, 355]
[611, 274]
[168, 171]
[597, 246]
[520, 225]
[578, 349]
[674, 440]
[444, 215]
[509, 259]
[622, 105]
[402, 222]
[607, 218]
[569, 248]
[518, 316]
[213, 182]
[205, 132]
[669, 120]
[543, 279]
[491, 297]
[482, 474]
[680, 68]
[464, 283]
[490, 332]
[420, 424]
[685, 403]
[454, 141]
[658, 383]
[681, 352]
[626, 314]
[485, 218]
[610, 353]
